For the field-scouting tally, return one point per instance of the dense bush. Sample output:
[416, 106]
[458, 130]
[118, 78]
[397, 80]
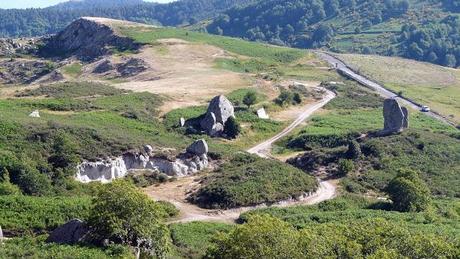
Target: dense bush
[249, 180]
[123, 214]
[28, 247]
[408, 192]
[264, 236]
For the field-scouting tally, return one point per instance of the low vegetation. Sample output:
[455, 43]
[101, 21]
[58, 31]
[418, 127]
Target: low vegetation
[264, 236]
[193, 239]
[249, 180]
[28, 247]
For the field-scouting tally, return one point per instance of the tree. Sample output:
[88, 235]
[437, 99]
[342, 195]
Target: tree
[345, 166]
[123, 214]
[64, 154]
[260, 237]
[450, 60]
[250, 98]
[354, 150]
[285, 98]
[232, 128]
[408, 192]
[6, 187]
[297, 98]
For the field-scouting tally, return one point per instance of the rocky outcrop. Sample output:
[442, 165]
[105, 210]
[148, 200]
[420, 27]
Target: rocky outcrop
[16, 47]
[103, 66]
[193, 161]
[87, 39]
[396, 117]
[219, 111]
[128, 67]
[199, 148]
[23, 71]
[70, 233]
[132, 67]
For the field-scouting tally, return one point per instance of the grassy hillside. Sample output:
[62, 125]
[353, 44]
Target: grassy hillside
[429, 146]
[418, 29]
[435, 86]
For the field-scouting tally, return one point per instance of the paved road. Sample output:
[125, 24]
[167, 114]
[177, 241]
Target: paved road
[348, 72]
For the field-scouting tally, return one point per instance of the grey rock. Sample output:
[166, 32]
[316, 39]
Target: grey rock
[262, 114]
[198, 148]
[395, 117]
[87, 40]
[406, 117]
[22, 72]
[182, 122]
[132, 67]
[148, 149]
[219, 111]
[35, 114]
[103, 66]
[70, 233]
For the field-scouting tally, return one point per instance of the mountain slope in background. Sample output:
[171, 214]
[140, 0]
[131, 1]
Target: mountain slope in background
[426, 30]
[36, 22]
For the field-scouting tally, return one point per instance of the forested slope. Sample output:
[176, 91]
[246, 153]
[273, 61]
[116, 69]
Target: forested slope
[35, 22]
[426, 30]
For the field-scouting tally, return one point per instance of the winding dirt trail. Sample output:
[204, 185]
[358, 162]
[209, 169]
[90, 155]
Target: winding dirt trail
[176, 192]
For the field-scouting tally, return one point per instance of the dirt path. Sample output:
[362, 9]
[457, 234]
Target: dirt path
[176, 192]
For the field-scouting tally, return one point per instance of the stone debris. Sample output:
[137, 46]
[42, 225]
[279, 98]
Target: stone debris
[396, 117]
[262, 114]
[199, 148]
[219, 111]
[35, 114]
[70, 233]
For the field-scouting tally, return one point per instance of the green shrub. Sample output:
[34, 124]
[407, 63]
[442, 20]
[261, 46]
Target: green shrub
[408, 192]
[345, 166]
[29, 247]
[232, 128]
[249, 180]
[260, 237]
[124, 214]
[250, 98]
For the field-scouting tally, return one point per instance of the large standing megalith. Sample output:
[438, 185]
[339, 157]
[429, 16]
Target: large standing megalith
[396, 117]
[219, 111]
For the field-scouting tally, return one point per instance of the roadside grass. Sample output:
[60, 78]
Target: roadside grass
[248, 180]
[193, 239]
[428, 84]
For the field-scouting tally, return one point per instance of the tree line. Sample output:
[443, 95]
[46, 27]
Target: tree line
[301, 23]
[36, 22]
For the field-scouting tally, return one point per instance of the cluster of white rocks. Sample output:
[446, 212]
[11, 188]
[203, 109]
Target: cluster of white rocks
[191, 162]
